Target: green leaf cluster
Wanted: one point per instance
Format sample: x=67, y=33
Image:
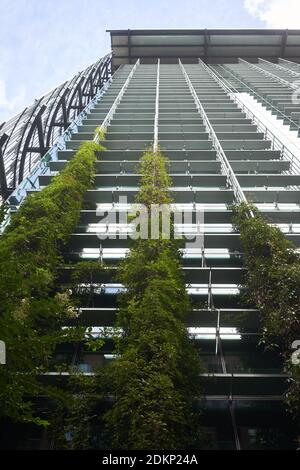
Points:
x=100, y=133
x=155, y=180
x=273, y=274
x=73, y=422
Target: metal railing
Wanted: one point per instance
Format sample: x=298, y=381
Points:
x=276, y=143
x=285, y=61
x=259, y=97
x=283, y=82
x=116, y=103
x=225, y=165
x=42, y=167
x=279, y=67
x=26, y=137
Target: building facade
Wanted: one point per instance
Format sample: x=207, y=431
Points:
x=191, y=101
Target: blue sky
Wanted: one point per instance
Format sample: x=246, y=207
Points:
x=45, y=42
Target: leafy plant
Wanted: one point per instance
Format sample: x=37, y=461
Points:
x=273, y=284
x=154, y=379
x=85, y=279
x=100, y=133
x=273, y=274
x=33, y=310
x=72, y=422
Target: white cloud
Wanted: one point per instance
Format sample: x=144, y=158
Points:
x=275, y=13
x=14, y=104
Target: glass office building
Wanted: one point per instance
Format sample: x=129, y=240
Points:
x=223, y=107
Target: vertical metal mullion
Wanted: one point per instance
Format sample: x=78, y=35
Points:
x=234, y=425
x=203, y=259
x=156, y=119
x=218, y=334
x=230, y=398
x=285, y=34
x=210, y=295
x=222, y=357
x=129, y=46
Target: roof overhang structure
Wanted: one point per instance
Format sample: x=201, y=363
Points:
x=211, y=45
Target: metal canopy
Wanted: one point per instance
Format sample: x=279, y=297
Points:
x=211, y=45
x=27, y=136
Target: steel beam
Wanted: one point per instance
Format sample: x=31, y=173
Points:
x=36, y=127
x=33, y=132
x=283, y=42
x=3, y=181
x=129, y=46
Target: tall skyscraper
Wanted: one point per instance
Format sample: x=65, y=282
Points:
x=215, y=101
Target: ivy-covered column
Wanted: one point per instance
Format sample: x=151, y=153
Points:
x=154, y=381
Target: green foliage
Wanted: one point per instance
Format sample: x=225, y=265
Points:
x=155, y=180
x=72, y=423
x=84, y=280
x=3, y=212
x=273, y=274
x=293, y=393
x=32, y=312
x=100, y=134
x=155, y=377
x=273, y=283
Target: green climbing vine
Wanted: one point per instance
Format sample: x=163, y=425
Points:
x=273, y=274
x=273, y=285
x=100, y=133
x=33, y=309
x=155, y=377
x=77, y=423
x=73, y=423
